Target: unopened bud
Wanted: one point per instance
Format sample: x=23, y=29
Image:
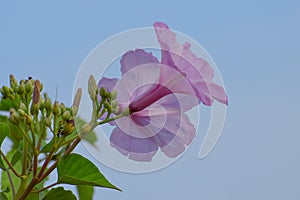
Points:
x=29, y=86
x=56, y=108
x=48, y=121
x=23, y=107
x=13, y=82
x=114, y=94
x=34, y=109
x=14, y=116
x=28, y=119
x=66, y=115
x=92, y=87
x=85, y=129
x=48, y=104
x=62, y=108
x=5, y=90
x=116, y=110
x=36, y=92
x=21, y=88
x=76, y=101
x=102, y=92
x=68, y=127
x=42, y=104
x=114, y=104
x=41, y=87
x=21, y=112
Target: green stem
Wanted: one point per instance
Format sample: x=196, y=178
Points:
x=9, y=164
x=25, y=136
x=35, y=152
x=45, y=188
x=24, y=177
x=11, y=183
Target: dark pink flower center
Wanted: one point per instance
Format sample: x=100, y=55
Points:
x=142, y=101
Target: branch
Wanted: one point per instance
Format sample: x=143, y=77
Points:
x=9, y=165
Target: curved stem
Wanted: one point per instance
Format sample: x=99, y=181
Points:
x=45, y=188
x=9, y=164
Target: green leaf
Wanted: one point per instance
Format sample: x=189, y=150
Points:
x=47, y=148
x=4, y=131
x=3, y=118
x=4, y=177
x=16, y=158
x=6, y=104
x=90, y=137
x=85, y=192
x=74, y=169
x=59, y=194
x=3, y=196
x=33, y=196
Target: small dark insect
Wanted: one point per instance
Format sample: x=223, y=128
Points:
x=60, y=131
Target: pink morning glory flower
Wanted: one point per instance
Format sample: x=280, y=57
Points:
x=157, y=94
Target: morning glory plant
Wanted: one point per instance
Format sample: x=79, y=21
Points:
x=147, y=107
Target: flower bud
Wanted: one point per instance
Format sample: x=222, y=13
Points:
x=21, y=112
x=102, y=92
x=48, y=104
x=48, y=121
x=76, y=101
x=21, y=88
x=114, y=104
x=68, y=127
x=92, y=87
x=86, y=128
x=66, y=115
x=6, y=90
x=13, y=82
x=14, y=116
x=116, y=110
x=28, y=119
x=62, y=108
x=41, y=87
x=56, y=108
x=36, y=92
x=114, y=94
x=23, y=107
x=42, y=104
x=28, y=86
x=34, y=109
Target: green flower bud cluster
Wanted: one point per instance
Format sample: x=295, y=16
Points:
x=28, y=106
x=108, y=101
x=103, y=100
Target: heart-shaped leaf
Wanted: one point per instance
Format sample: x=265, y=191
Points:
x=74, y=169
x=59, y=194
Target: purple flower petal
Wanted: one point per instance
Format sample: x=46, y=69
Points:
x=135, y=58
x=160, y=125
x=108, y=83
x=138, y=149
x=180, y=57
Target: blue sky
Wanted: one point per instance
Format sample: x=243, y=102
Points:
x=255, y=45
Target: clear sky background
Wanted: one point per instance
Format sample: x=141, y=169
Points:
x=255, y=45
